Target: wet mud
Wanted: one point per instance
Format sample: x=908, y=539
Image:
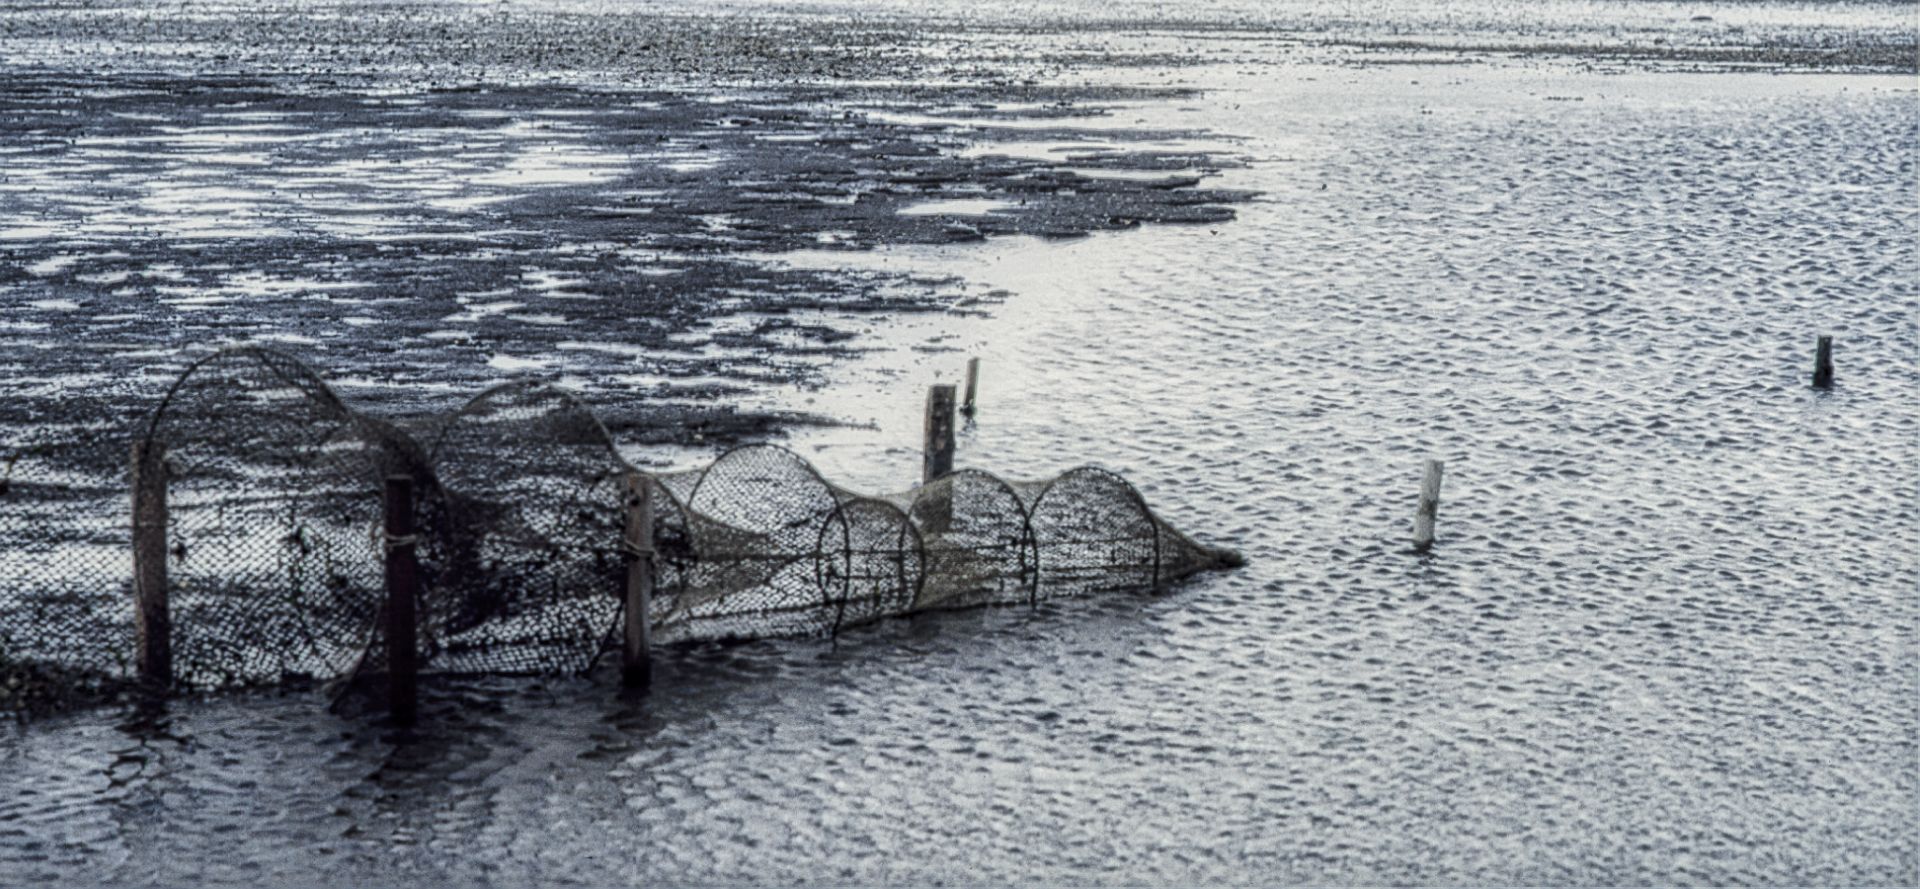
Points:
x=1668, y=632
x=428, y=244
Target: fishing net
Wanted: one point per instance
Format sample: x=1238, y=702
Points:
x=758, y=544
x=272, y=492
x=66, y=576
x=522, y=558
x=524, y=505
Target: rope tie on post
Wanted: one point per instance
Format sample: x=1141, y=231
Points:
x=386, y=542
x=635, y=551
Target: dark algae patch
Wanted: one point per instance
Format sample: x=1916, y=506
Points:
x=452, y=236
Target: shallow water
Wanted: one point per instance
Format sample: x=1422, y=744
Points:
x=1668, y=631
x=1667, y=635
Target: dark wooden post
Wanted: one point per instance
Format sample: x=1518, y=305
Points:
x=403, y=578
x=636, y=664
x=973, y=383
x=1823, y=363
x=152, y=626
x=939, y=445
x=1429, y=511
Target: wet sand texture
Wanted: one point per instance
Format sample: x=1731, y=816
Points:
x=427, y=245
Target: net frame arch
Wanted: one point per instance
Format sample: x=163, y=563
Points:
x=1047, y=496
x=931, y=505
x=563, y=557
x=249, y=438
x=909, y=544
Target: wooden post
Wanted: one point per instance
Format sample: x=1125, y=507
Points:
x=1423, y=519
x=152, y=626
x=1823, y=363
x=636, y=665
x=939, y=445
x=973, y=383
x=403, y=577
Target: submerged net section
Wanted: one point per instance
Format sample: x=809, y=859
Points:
x=276, y=544
x=770, y=548
x=754, y=520
x=979, y=542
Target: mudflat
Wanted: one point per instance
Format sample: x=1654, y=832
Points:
x=1264, y=258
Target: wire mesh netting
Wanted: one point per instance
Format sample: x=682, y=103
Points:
x=275, y=544
x=522, y=554
x=271, y=568
x=67, y=595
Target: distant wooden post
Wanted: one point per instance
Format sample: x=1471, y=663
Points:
x=1423, y=519
x=939, y=445
x=973, y=383
x=152, y=626
x=636, y=665
x=1823, y=363
x=403, y=578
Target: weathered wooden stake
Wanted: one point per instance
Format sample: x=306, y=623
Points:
x=1823, y=363
x=973, y=383
x=636, y=665
x=1423, y=519
x=152, y=626
x=939, y=449
x=403, y=578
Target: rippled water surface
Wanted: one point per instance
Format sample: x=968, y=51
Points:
x=1668, y=633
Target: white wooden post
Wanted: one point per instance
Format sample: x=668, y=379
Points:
x=1423, y=519
x=973, y=384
